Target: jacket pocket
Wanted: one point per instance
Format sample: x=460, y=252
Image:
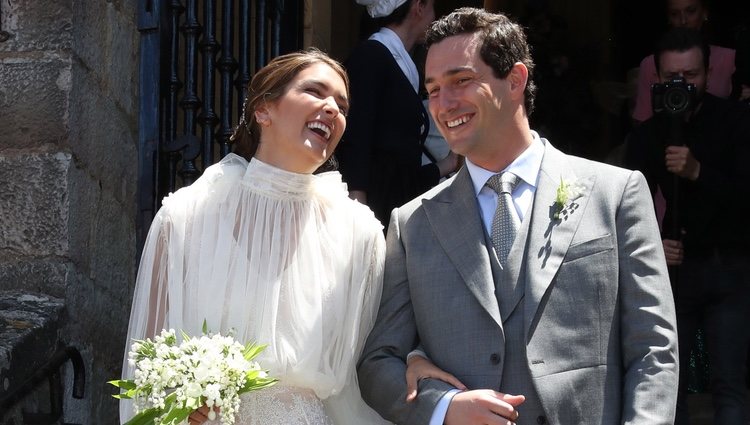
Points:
x=590, y=247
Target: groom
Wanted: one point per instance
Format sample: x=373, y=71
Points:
x=548, y=295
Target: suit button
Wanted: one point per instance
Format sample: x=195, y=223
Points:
x=495, y=358
x=541, y=420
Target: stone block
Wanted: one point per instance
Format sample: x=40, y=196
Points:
x=47, y=275
x=34, y=203
x=33, y=102
x=106, y=41
x=29, y=337
x=123, y=58
x=103, y=137
x=91, y=34
x=102, y=234
x=36, y=25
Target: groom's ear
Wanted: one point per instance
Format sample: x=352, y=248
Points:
x=518, y=78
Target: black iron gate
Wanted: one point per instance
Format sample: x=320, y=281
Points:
x=196, y=59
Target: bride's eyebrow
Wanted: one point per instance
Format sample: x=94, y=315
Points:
x=324, y=86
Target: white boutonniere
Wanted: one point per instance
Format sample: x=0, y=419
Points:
x=567, y=192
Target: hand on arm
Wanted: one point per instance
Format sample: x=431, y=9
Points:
x=679, y=160
x=485, y=407
x=418, y=367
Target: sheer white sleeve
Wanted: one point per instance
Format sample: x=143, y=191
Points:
x=346, y=406
x=149, y=308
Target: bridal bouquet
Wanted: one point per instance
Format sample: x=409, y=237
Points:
x=173, y=379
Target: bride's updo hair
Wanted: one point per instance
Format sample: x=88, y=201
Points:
x=269, y=84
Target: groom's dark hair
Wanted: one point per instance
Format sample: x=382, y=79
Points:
x=503, y=42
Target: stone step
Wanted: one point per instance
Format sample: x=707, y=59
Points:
x=29, y=337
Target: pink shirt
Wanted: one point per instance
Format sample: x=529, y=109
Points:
x=720, y=70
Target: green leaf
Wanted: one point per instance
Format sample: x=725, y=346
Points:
x=256, y=384
x=146, y=417
x=122, y=396
x=251, y=350
x=175, y=415
x=173, y=411
x=125, y=384
x=205, y=327
x=169, y=400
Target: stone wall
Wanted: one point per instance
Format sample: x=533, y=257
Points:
x=103, y=126
x=68, y=161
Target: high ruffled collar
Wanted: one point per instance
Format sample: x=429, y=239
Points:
x=275, y=182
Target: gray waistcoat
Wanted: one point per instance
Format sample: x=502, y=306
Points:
x=509, y=289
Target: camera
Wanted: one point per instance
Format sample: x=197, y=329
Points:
x=672, y=97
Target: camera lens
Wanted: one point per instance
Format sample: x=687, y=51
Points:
x=676, y=99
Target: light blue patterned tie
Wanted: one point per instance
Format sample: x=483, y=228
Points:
x=505, y=223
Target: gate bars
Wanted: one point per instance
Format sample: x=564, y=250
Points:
x=181, y=60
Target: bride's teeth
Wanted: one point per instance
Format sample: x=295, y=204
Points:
x=320, y=126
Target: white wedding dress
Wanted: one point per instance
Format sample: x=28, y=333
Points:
x=281, y=258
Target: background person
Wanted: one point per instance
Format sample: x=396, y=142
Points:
x=381, y=158
x=691, y=14
x=702, y=175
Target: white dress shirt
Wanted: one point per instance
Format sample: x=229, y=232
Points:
x=526, y=166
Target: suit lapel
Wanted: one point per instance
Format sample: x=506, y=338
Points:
x=455, y=220
x=549, y=238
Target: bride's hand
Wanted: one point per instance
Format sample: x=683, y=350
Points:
x=418, y=367
x=200, y=416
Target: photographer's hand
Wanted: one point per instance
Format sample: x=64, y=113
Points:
x=679, y=160
x=745, y=93
x=673, y=252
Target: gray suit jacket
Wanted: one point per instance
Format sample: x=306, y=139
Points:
x=598, y=312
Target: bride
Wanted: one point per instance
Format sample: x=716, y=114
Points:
x=261, y=245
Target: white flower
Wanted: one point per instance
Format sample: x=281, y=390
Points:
x=193, y=390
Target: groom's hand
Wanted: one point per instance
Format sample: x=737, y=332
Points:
x=483, y=407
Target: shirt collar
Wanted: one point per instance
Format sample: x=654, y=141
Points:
x=526, y=166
